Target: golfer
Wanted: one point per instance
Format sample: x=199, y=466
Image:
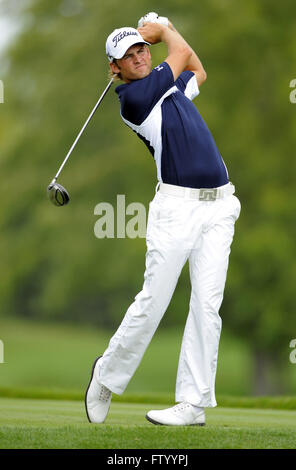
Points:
x=191, y=217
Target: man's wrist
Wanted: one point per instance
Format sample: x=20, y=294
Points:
x=168, y=34
x=171, y=26
x=163, y=31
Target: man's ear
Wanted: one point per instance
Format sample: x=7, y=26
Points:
x=114, y=68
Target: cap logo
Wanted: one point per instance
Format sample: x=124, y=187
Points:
x=122, y=35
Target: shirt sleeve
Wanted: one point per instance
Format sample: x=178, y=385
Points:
x=142, y=95
x=187, y=84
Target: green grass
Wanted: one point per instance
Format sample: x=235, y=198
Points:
x=48, y=356
x=54, y=424
x=47, y=368
x=263, y=402
x=59, y=356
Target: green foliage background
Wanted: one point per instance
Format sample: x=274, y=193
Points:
x=52, y=265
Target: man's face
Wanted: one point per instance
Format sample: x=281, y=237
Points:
x=135, y=64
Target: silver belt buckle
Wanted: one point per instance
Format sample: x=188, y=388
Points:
x=208, y=194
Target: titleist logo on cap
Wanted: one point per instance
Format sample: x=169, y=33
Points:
x=122, y=35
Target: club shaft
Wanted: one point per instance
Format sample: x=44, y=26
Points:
x=84, y=126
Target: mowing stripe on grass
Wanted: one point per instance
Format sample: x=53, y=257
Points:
x=277, y=403
x=56, y=424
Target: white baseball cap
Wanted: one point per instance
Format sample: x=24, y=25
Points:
x=120, y=40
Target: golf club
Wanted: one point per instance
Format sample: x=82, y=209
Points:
x=57, y=194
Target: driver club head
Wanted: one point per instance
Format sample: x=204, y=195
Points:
x=57, y=194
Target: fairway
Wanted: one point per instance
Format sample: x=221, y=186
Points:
x=57, y=424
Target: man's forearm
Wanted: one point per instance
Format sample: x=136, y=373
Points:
x=174, y=40
x=194, y=63
x=179, y=52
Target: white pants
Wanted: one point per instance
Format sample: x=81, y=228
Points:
x=178, y=229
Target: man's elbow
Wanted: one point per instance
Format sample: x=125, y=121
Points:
x=186, y=53
x=201, y=77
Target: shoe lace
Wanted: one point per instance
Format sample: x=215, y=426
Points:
x=104, y=394
x=180, y=407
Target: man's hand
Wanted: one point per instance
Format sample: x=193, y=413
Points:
x=181, y=56
x=153, y=17
x=178, y=50
x=152, y=32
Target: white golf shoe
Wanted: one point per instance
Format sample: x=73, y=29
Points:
x=97, y=397
x=183, y=414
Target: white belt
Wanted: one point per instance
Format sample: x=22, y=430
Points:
x=202, y=194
